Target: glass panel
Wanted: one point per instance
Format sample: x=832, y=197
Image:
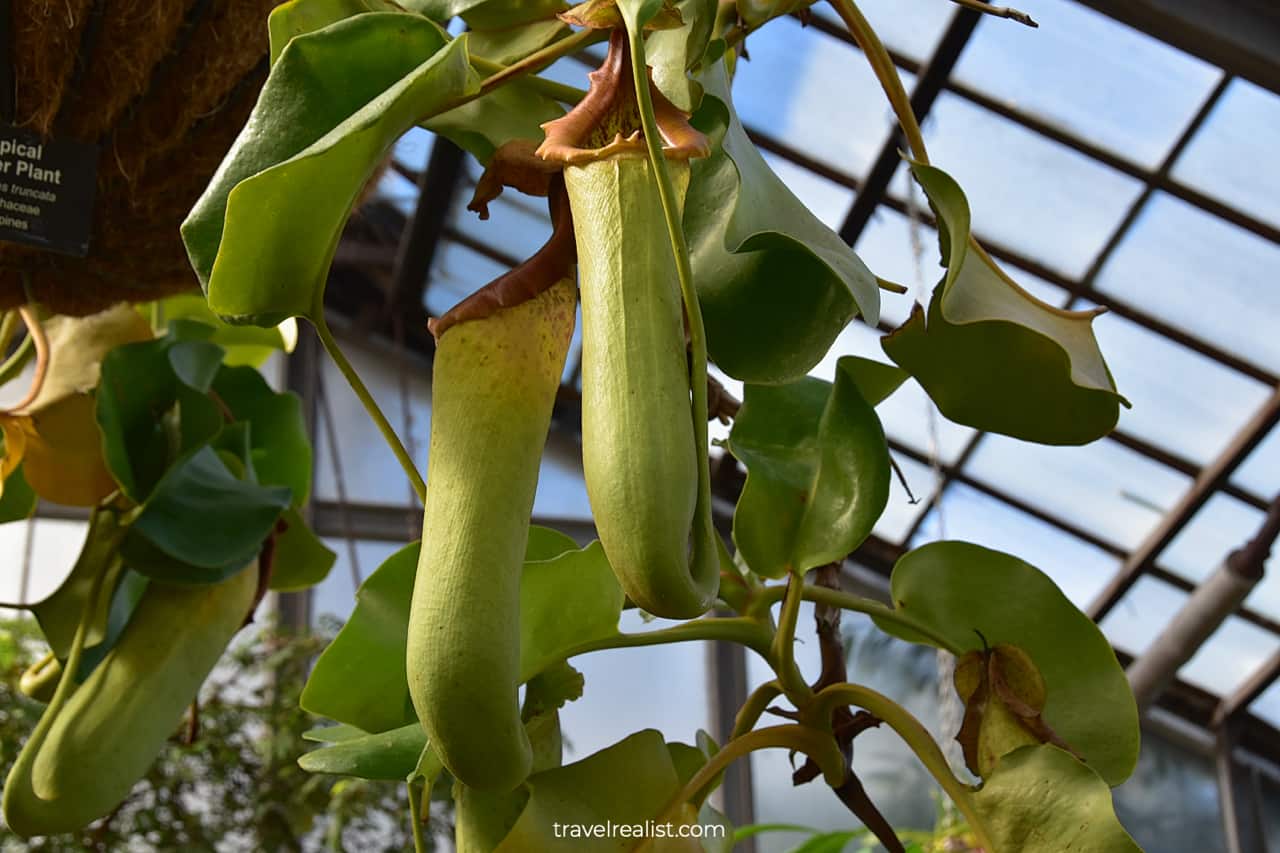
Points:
x=1182, y=401
x=518, y=225
x=55, y=544
x=784, y=88
x=370, y=470
x=654, y=687
x=414, y=148
x=827, y=200
x=401, y=192
x=1267, y=706
x=900, y=512
x=1142, y=614
x=910, y=27
x=893, y=778
x=1202, y=274
x=1024, y=189
x=1103, y=487
x=1091, y=76
x=1228, y=157
x=561, y=490
x=335, y=596
x=456, y=273
x=1078, y=568
x=1260, y=472
x=1170, y=803
x=1232, y=654
x=1222, y=525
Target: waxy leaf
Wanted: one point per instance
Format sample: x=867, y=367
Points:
x=1041, y=800
x=390, y=755
x=202, y=523
x=817, y=472
x=280, y=448
x=17, y=499
x=958, y=590
x=360, y=678
x=262, y=236
x=299, y=17
x=333, y=734
x=514, y=111
x=301, y=559
x=506, y=45
x=627, y=783
x=673, y=53
x=60, y=613
x=242, y=345
x=775, y=284
x=994, y=357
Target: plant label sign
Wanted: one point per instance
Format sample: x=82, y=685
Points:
x=46, y=191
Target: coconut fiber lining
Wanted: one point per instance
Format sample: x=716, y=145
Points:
x=162, y=87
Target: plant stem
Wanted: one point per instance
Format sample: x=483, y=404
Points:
x=36, y=334
x=415, y=818
x=883, y=67
x=819, y=746
x=746, y=632
x=751, y=710
x=858, y=604
x=704, y=548
x=998, y=12
x=13, y=364
x=917, y=737
x=370, y=405
x=784, y=644
x=559, y=91
x=540, y=59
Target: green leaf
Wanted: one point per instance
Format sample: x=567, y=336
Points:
x=494, y=14
x=1041, y=800
x=956, y=590
x=262, y=236
x=17, y=498
x=672, y=53
x=136, y=417
x=244, y=345
x=202, y=524
x=301, y=559
x=281, y=451
x=332, y=734
x=299, y=17
x=830, y=842
x=817, y=472
x=122, y=602
x=360, y=678
x=1043, y=375
x=513, y=111
x=195, y=362
x=509, y=44
x=388, y=755
x=627, y=783
x=60, y=613
x=776, y=285
x=546, y=543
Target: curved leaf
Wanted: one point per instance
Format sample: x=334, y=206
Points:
x=1043, y=375
x=1041, y=800
x=301, y=559
x=514, y=111
x=280, y=448
x=776, y=285
x=360, y=678
x=958, y=590
x=627, y=783
x=201, y=523
x=672, y=53
x=390, y=755
x=817, y=472
x=244, y=345
x=59, y=614
x=17, y=499
x=262, y=236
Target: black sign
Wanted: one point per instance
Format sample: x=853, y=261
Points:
x=46, y=191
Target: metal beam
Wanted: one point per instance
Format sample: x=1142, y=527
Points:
x=928, y=86
x=437, y=186
x=1242, y=36
x=1211, y=479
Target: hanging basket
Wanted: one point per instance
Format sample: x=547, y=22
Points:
x=162, y=87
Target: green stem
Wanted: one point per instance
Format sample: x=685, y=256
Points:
x=784, y=644
x=415, y=818
x=858, y=604
x=885, y=71
x=752, y=709
x=559, y=91
x=746, y=632
x=916, y=736
x=819, y=746
x=539, y=60
x=704, y=548
x=370, y=405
